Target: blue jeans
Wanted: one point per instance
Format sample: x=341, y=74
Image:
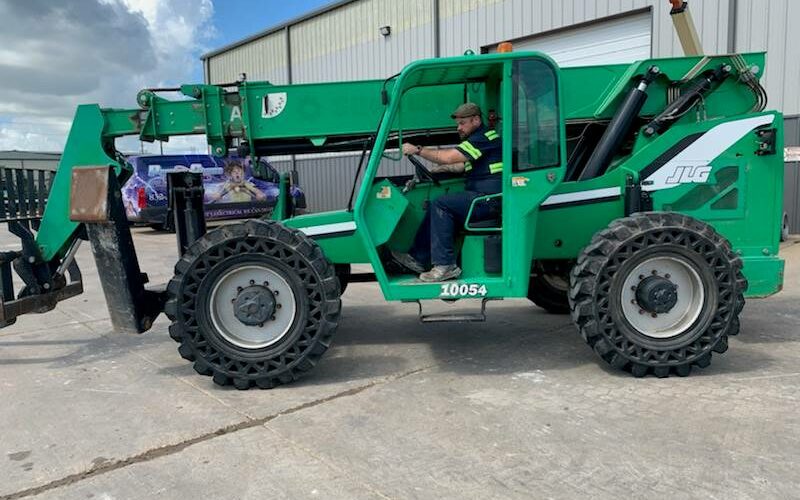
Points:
x=433, y=243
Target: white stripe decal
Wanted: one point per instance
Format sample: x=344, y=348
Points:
x=692, y=164
x=338, y=227
x=592, y=194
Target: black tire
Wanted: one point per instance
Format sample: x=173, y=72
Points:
x=286, y=256
x=785, y=227
x=606, y=267
x=548, y=286
x=343, y=275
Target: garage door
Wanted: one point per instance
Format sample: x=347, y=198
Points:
x=606, y=42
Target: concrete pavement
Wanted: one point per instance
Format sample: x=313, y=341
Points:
x=518, y=407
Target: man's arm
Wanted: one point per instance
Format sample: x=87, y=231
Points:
x=455, y=168
x=439, y=156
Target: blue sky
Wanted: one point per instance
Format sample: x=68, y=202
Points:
x=234, y=20
x=237, y=19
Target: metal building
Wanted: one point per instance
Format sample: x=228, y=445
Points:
x=364, y=39
x=29, y=159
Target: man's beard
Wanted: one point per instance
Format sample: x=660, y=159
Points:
x=463, y=136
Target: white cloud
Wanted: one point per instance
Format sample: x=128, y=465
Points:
x=56, y=55
x=26, y=137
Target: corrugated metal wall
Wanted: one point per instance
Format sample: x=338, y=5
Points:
x=791, y=194
x=342, y=44
x=772, y=25
x=791, y=132
x=479, y=23
x=261, y=59
x=345, y=44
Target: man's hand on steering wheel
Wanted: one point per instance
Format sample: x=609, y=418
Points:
x=411, y=149
x=421, y=170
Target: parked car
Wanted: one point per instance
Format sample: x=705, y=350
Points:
x=231, y=190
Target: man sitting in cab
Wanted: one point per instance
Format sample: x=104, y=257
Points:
x=479, y=157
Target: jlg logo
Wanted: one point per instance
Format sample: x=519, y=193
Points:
x=684, y=175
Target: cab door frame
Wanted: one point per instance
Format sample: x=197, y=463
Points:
x=523, y=192
x=526, y=187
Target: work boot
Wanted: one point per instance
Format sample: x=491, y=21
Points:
x=408, y=262
x=441, y=273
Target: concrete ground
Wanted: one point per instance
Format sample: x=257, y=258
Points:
x=518, y=407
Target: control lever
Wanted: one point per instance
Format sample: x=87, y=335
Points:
x=410, y=185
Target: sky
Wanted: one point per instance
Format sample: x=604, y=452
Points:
x=55, y=55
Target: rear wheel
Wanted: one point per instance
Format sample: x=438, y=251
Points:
x=343, y=275
x=253, y=304
x=657, y=293
x=549, y=285
x=785, y=227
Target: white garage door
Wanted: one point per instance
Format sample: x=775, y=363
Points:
x=620, y=40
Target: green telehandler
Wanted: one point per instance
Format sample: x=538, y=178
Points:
x=644, y=199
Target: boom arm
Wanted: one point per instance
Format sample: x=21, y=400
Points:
x=254, y=112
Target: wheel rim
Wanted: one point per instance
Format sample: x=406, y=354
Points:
x=241, y=286
x=681, y=315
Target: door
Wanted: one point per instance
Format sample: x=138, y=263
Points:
x=615, y=41
x=538, y=156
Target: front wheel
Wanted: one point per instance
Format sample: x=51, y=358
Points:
x=253, y=304
x=657, y=293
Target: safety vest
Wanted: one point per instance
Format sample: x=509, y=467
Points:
x=484, y=166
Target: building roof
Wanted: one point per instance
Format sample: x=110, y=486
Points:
x=276, y=28
x=28, y=155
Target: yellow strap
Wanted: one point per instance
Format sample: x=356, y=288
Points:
x=471, y=150
x=495, y=167
x=467, y=166
x=491, y=135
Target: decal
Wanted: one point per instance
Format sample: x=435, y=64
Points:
x=236, y=113
x=685, y=175
x=384, y=193
x=690, y=164
x=273, y=104
x=326, y=229
x=519, y=181
x=463, y=290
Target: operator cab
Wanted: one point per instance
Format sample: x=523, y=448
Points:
x=518, y=96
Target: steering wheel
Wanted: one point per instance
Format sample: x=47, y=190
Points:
x=422, y=171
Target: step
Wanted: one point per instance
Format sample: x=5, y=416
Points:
x=458, y=317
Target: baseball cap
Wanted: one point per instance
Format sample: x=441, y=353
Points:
x=466, y=110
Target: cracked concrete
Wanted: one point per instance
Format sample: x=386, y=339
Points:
x=104, y=466
x=518, y=407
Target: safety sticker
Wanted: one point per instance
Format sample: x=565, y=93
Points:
x=519, y=181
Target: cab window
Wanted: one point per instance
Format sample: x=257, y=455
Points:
x=536, y=142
